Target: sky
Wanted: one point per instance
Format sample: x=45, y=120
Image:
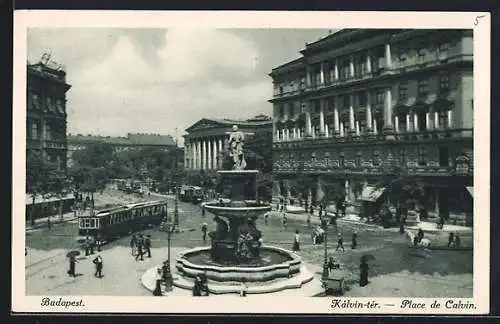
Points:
x=156, y=80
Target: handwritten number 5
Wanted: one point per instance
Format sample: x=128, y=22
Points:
x=476, y=20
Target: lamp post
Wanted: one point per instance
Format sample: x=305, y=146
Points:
x=176, y=182
x=324, y=225
x=169, y=282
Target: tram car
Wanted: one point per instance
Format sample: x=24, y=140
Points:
x=191, y=194
x=115, y=222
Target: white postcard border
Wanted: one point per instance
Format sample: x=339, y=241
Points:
x=478, y=21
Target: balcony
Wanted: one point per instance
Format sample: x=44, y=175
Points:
x=54, y=144
x=397, y=68
x=332, y=167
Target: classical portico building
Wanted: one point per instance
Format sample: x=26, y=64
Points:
x=206, y=140
x=358, y=101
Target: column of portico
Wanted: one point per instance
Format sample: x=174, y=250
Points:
x=220, y=150
x=204, y=155
x=196, y=144
x=214, y=154
x=209, y=154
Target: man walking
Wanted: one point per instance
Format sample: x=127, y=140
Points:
x=204, y=231
x=340, y=243
x=133, y=244
x=147, y=245
x=98, y=266
x=140, y=252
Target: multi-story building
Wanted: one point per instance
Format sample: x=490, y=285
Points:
x=362, y=100
x=46, y=111
x=207, y=138
x=131, y=142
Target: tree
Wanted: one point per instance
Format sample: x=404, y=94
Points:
x=34, y=178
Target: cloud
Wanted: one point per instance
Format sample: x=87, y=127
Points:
x=156, y=80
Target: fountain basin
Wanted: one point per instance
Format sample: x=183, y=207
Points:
x=274, y=263
x=241, y=210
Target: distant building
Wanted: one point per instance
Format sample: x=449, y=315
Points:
x=206, y=139
x=133, y=141
x=361, y=100
x=46, y=111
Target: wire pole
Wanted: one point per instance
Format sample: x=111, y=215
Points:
x=176, y=182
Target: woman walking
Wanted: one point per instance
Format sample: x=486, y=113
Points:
x=363, y=276
x=72, y=263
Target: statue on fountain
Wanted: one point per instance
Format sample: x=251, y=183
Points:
x=236, y=140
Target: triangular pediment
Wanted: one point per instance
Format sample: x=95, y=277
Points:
x=204, y=124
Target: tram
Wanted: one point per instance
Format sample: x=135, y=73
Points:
x=115, y=222
x=191, y=194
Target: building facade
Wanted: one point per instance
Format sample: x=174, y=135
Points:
x=360, y=101
x=206, y=140
x=46, y=111
x=131, y=142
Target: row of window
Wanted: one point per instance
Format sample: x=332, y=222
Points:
x=402, y=157
x=362, y=96
x=357, y=65
x=49, y=132
x=49, y=104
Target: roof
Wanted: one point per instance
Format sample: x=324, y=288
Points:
x=260, y=120
x=131, y=139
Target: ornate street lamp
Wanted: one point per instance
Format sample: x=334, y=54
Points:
x=324, y=225
x=169, y=281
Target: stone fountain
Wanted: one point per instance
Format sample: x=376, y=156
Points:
x=236, y=253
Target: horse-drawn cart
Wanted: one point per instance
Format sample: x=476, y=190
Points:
x=335, y=282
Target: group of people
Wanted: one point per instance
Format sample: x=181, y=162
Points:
x=98, y=263
x=140, y=245
x=200, y=287
x=91, y=244
x=453, y=240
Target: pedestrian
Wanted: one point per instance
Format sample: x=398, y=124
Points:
x=340, y=243
x=401, y=226
x=243, y=289
x=204, y=285
x=98, y=266
x=311, y=210
x=204, y=231
x=308, y=220
x=354, y=243
x=98, y=243
x=420, y=235
x=197, y=286
x=140, y=252
x=306, y=206
x=157, y=290
x=165, y=271
x=92, y=245
x=266, y=216
x=147, y=245
x=284, y=220
x=363, y=275
x=451, y=240
x=296, y=242
x=72, y=265
x=133, y=244
x=457, y=240
x=203, y=211
x=86, y=245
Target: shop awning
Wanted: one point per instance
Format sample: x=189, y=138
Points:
x=471, y=191
x=371, y=193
